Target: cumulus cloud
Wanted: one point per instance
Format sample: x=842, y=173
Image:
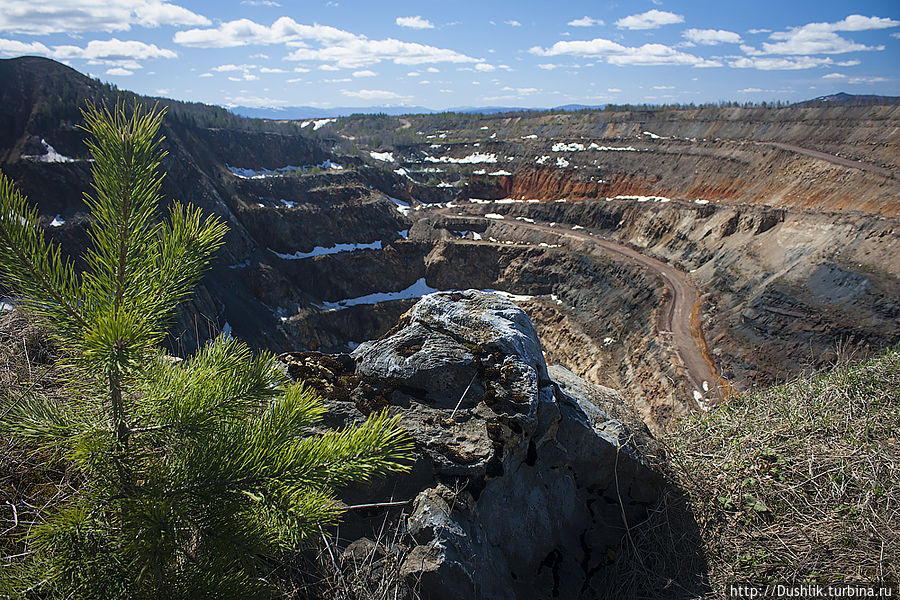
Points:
x=585, y=22
x=319, y=43
x=365, y=73
x=513, y=23
x=821, y=38
x=711, y=37
x=617, y=54
x=853, y=80
x=17, y=48
x=649, y=20
x=243, y=32
x=414, y=22
x=778, y=64
x=113, y=50
x=119, y=71
x=43, y=17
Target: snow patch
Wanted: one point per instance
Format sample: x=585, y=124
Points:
x=699, y=201
x=563, y=147
x=475, y=157
x=542, y=159
x=322, y=250
x=494, y=216
x=594, y=146
x=526, y=219
x=416, y=290
x=402, y=207
x=644, y=198
x=383, y=156
x=57, y=221
x=529, y=137
x=562, y=163
x=50, y=156
x=501, y=172
x=653, y=136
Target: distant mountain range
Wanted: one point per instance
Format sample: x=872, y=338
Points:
x=311, y=112
x=842, y=99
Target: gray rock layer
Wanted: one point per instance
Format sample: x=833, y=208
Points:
x=524, y=480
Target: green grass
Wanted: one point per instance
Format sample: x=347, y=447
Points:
x=798, y=482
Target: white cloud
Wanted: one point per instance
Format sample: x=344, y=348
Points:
x=414, y=22
x=42, y=17
x=896, y=35
x=663, y=87
x=372, y=94
x=17, y=48
x=755, y=31
x=513, y=23
x=119, y=72
x=243, y=32
x=548, y=66
x=365, y=73
x=271, y=70
x=413, y=74
x=328, y=68
x=230, y=68
x=617, y=54
x=820, y=38
x=649, y=20
x=778, y=64
x=753, y=90
x=260, y=3
x=613, y=90
x=319, y=43
x=485, y=67
x=204, y=75
x=854, y=80
x=711, y=37
x=113, y=50
x=847, y=63
x=433, y=70
x=585, y=22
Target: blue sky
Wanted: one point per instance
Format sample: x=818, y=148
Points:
x=325, y=53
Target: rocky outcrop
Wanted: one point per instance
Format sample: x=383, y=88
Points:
x=523, y=477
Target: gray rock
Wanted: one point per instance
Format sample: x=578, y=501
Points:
x=544, y=476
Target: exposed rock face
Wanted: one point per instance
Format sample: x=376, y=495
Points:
x=522, y=479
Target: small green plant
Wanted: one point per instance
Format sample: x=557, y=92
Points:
x=193, y=478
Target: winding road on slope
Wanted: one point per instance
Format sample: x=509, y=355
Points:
x=679, y=316
x=837, y=160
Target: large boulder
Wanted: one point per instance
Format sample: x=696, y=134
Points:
x=525, y=478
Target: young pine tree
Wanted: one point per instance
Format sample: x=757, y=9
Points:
x=196, y=476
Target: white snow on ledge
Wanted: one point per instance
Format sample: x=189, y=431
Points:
x=402, y=207
x=474, y=158
x=280, y=171
x=644, y=198
x=383, y=156
x=51, y=155
x=317, y=123
x=322, y=250
x=494, y=216
x=594, y=146
x=563, y=147
x=57, y=221
x=416, y=290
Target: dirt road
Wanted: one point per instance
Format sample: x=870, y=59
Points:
x=679, y=316
x=844, y=162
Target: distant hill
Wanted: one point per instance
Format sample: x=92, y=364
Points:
x=843, y=99
x=311, y=112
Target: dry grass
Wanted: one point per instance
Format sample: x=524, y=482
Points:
x=799, y=482
x=29, y=479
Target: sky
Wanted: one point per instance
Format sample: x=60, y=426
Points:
x=443, y=54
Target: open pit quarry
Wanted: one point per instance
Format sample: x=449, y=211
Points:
x=602, y=273
x=676, y=255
